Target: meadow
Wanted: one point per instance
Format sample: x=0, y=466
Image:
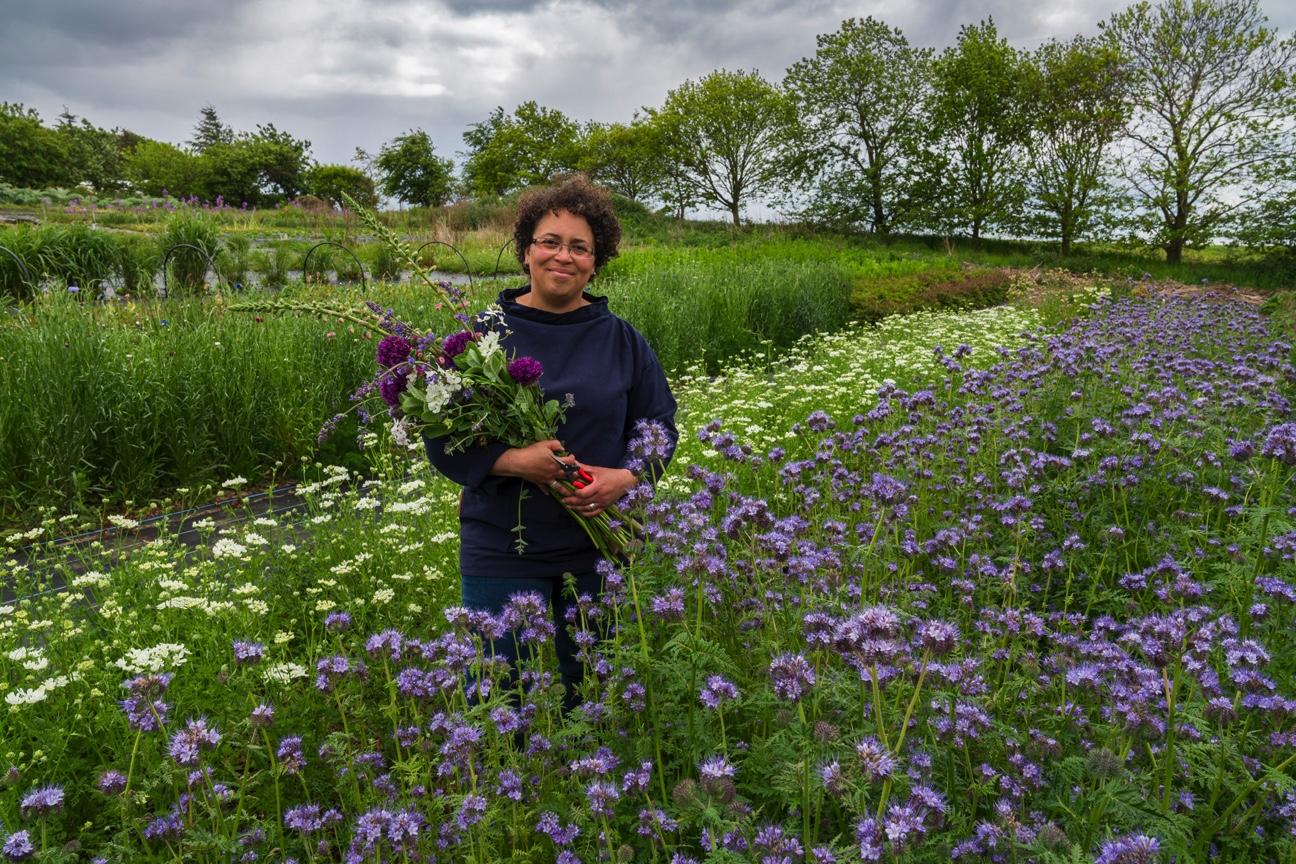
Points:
x=956, y=586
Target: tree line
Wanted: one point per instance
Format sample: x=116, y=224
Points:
x=1174, y=124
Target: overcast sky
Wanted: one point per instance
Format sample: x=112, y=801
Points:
x=356, y=73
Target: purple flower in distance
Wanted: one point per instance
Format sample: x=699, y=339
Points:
x=262, y=716
x=112, y=782
x=248, y=652
x=525, y=370
x=791, y=675
x=336, y=622
x=717, y=691
x=290, y=756
x=392, y=351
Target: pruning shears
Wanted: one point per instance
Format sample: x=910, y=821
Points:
x=577, y=476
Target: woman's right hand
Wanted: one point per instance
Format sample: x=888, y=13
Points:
x=534, y=462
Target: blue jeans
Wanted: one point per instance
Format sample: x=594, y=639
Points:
x=491, y=594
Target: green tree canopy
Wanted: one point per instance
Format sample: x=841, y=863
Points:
x=331, y=181
x=628, y=158
x=1077, y=97
x=157, y=168
x=725, y=132
x=525, y=148
x=1208, y=91
x=31, y=154
x=860, y=100
x=411, y=172
x=975, y=178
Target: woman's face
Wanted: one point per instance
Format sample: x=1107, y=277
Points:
x=559, y=277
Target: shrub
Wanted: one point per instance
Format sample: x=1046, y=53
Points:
x=874, y=298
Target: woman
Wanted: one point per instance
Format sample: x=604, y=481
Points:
x=608, y=374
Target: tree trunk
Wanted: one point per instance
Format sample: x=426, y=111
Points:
x=733, y=208
x=1174, y=250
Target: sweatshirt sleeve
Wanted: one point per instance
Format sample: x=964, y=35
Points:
x=650, y=399
x=469, y=468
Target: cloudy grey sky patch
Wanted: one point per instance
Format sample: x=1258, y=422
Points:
x=356, y=73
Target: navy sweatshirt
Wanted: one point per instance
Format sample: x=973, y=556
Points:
x=614, y=379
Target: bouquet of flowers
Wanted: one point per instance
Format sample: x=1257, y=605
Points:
x=461, y=385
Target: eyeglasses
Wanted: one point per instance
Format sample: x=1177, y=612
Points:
x=576, y=248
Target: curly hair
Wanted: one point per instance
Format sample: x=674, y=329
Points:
x=579, y=197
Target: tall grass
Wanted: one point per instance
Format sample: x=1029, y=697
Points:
x=123, y=402
x=713, y=304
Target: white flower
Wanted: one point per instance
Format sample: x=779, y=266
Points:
x=488, y=344
x=258, y=607
x=159, y=658
x=383, y=595
x=122, y=521
x=234, y=483
x=282, y=637
x=21, y=696
x=182, y=603
x=227, y=548
x=251, y=538
x=400, y=432
x=90, y=579
x=284, y=673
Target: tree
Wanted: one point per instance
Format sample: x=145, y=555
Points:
x=980, y=127
x=411, y=171
x=157, y=168
x=626, y=158
x=258, y=168
x=94, y=156
x=1077, y=96
x=31, y=155
x=1208, y=80
x=860, y=101
x=508, y=152
x=724, y=132
x=210, y=131
x=330, y=181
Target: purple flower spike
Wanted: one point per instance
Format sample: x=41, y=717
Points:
x=525, y=370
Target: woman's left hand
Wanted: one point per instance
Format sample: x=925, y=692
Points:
x=609, y=485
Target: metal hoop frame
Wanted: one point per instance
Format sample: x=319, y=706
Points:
x=166, y=259
x=22, y=267
x=452, y=248
x=364, y=282
x=507, y=244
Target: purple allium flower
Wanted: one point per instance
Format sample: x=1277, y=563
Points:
x=525, y=370
x=392, y=351
x=18, y=846
x=336, y=622
x=1130, y=849
x=248, y=653
x=41, y=802
x=112, y=782
x=391, y=386
x=791, y=675
x=455, y=343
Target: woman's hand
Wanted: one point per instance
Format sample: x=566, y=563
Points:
x=608, y=487
x=534, y=462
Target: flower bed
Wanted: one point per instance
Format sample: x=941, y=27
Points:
x=1040, y=609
